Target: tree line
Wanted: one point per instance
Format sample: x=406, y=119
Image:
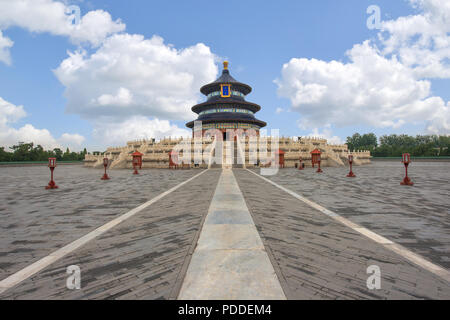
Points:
x=30, y=152
x=394, y=145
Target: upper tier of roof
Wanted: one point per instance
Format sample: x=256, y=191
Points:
x=225, y=78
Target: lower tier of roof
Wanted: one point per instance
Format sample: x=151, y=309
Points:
x=232, y=122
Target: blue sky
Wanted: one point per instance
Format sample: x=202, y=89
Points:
x=257, y=37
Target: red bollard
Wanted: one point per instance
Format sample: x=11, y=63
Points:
x=105, y=164
x=280, y=154
x=52, y=166
x=318, y=169
x=137, y=161
x=406, y=159
x=173, y=159
x=350, y=161
x=315, y=158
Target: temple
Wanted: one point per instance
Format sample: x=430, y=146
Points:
x=225, y=107
x=226, y=110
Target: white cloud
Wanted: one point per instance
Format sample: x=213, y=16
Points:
x=127, y=80
x=72, y=141
x=130, y=75
x=131, y=86
x=421, y=42
x=94, y=27
x=279, y=110
x=326, y=134
x=370, y=89
x=137, y=127
x=123, y=98
x=5, y=45
x=9, y=136
x=10, y=113
x=385, y=87
x=56, y=18
x=440, y=122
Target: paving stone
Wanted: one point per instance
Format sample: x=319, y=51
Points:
x=319, y=260
x=145, y=253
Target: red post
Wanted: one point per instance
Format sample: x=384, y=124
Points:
x=173, y=160
x=318, y=169
x=280, y=154
x=406, y=159
x=350, y=161
x=315, y=158
x=52, y=166
x=105, y=164
x=137, y=161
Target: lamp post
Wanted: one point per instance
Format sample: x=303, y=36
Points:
x=406, y=159
x=173, y=159
x=315, y=158
x=280, y=154
x=52, y=166
x=105, y=164
x=137, y=161
x=350, y=161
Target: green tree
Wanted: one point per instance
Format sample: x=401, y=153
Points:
x=4, y=155
x=367, y=141
x=21, y=152
x=58, y=153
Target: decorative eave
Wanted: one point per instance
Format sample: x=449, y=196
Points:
x=257, y=122
x=212, y=104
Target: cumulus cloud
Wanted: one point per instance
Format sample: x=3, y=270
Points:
x=384, y=83
x=370, y=89
x=56, y=18
x=127, y=80
x=5, y=45
x=133, y=76
x=9, y=136
x=136, y=127
x=10, y=113
x=326, y=134
x=421, y=42
x=440, y=122
x=132, y=86
x=72, y=141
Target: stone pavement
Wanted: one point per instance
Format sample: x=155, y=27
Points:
x=230, y=262
x=316, y=257
x=144, y=257
x=311, y=255
x=416, y=217
x=35, y=221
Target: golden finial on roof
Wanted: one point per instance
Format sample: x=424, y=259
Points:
x=225, y=65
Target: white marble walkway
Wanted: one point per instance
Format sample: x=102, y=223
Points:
x=230, y=261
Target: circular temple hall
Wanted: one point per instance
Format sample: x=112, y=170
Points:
x=225, y=107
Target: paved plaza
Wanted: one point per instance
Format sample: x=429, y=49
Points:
x=211, y=234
